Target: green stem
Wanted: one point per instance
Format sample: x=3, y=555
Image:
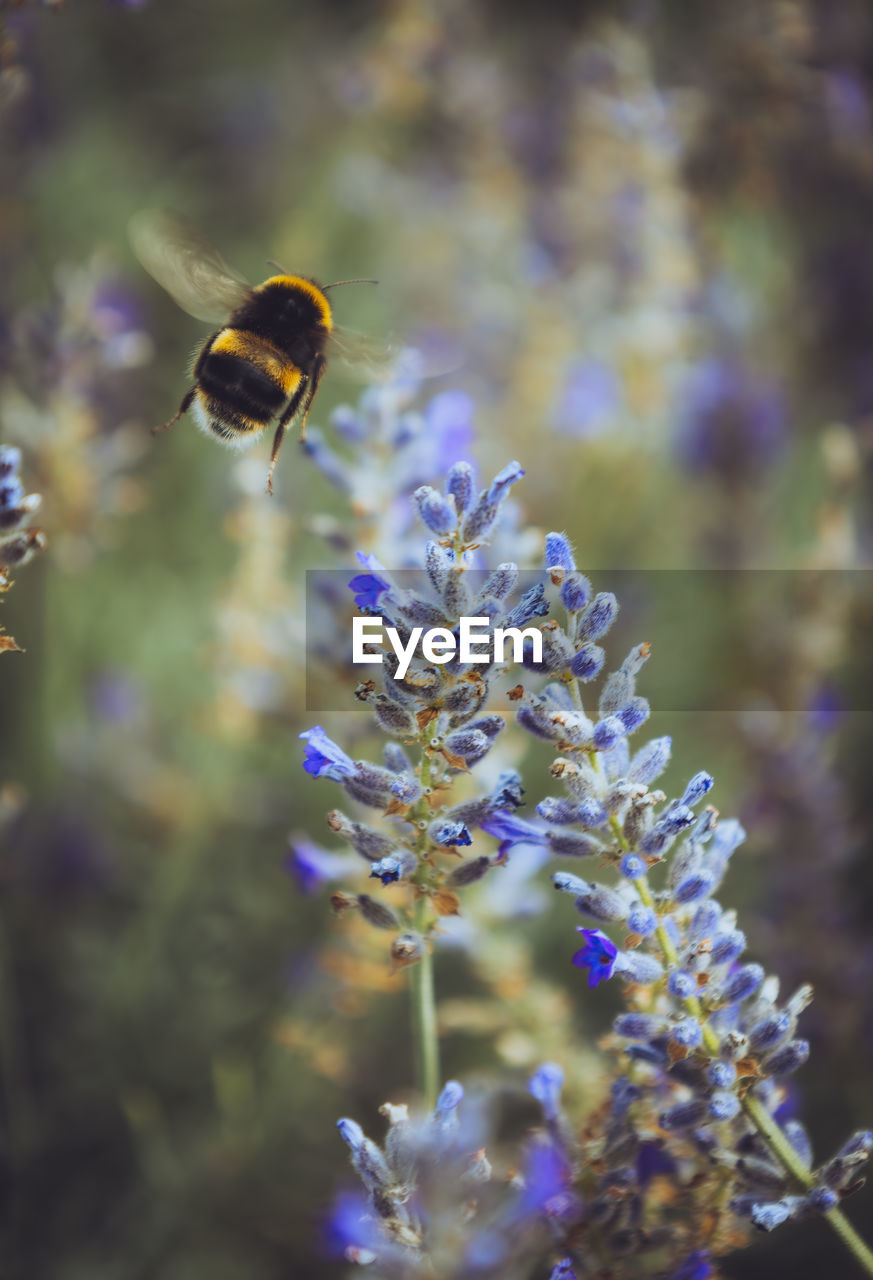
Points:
x=423, y=992
x=424, y=1009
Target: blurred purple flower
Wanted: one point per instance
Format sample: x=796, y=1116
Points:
x=588, y=401
x=312, y=866
x=731, y=421
x=115, y=697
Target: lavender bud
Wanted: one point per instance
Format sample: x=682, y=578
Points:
x=449, y=832
x=696, y=789
x=638, y=966
x=734, y=1046
x=723, y=1105
x=601, y=903
x=10, y=459
x=578, y=777
x=534, y=719
x=460, y=485
x=381, y=917
x=617, y=796
x=533, y=604
x=822, y=1200
x=559, y=553
x=373, y=776
x=568, y=883
x=468, y=743
x=559, y=809
x=692, y=888
x=705, y=921
x=420, y=613
x=618, y=690
x=650, y=761
x=587, y=662
x=685, y=1115
x=598, y=616
x=787, y=1059
x=469, y=872
x=759, y=1172
x=676, y=819
x=435, y=510
x=634, y=714
x=722, y=1075
x=682, y=985
x=771, y=1032
x=632, y=866
x=500, y=581
x=607, y=732
x=576, y=728
x=508, y=792
x=483, y=514
x=727, y=947
x=504, y=480
x=557, y=649
x=463, y=701
x=366, y=1156
x=592, y=813
x=394, y=867
x=770, y=1216
x=742, y=984
x=859, y=1145
x=799, y=1139
x=437, y=562
x=642, y=920
x=393, y=718
x=545, y=1085
x=406, y=788
x=575, y=592
x=406, y=949
x=456, y=593
x=841, y=1169
x=686, y=1034
x=573, y=844
x=396, y=758
x=639, y=1026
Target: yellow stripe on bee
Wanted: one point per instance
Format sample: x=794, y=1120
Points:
x=261, y=353
x=311, y=290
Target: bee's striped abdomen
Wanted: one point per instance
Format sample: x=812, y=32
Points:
x=243, y=381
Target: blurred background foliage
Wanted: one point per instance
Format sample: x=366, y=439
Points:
x=639, y=236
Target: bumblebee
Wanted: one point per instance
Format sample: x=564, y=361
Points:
x=271, y=351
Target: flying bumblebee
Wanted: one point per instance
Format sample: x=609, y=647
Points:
x=271, y=351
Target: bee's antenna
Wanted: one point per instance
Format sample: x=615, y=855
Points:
x=271, y=262
x=336, y=283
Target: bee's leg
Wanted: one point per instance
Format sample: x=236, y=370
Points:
x=188, y=398
x=319, y=365
x=187, y=401
x=300, y=402
x=289, y=412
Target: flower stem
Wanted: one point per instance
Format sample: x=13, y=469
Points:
x=424, y=1010
x=423, y=994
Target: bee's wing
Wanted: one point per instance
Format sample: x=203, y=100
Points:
x=365, y=356
x=191, y=270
